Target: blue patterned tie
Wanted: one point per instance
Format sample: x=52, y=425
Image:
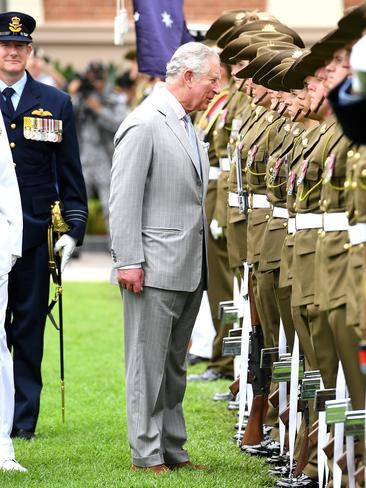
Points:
x=8, y=93
x=192, y=137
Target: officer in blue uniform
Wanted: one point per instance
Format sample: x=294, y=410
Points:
x=40, y=125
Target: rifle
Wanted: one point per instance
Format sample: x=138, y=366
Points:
x=234, y=387
x=260, y=378
x=242, y=194
x=57, y=226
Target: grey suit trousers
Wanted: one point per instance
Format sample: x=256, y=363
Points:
x=157, y=328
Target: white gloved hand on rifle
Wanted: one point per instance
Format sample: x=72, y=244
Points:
x=358, y=65
x=66, y=244
x=216, y=230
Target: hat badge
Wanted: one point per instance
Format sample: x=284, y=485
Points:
x=15, y=25
x=240, y=16
x=296, y=54
x=268, y=28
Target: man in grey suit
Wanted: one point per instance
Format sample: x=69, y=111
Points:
x=159, y=234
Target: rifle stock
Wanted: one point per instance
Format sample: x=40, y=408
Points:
x=253, y=434
x=342, y=463
x=234, y=386
x=259, y=377
x=329, y=448
x=360, y=475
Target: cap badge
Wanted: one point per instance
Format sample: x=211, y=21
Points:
x=268, y=28
x=15, y=25
x=296, y=54
x=240, y=16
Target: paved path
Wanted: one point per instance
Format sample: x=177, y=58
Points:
x=90, y=266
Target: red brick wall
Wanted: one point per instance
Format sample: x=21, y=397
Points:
x=104, y=10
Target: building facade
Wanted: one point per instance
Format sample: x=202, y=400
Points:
x=77, y=31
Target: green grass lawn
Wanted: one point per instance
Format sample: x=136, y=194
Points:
x=91, y=448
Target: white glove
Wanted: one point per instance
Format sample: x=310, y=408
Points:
x=216, y=230
x=358, y=65
x=66, y=244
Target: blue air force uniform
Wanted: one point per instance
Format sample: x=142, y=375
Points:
x=45, y=152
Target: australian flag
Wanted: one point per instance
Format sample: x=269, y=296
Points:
x=160, y=30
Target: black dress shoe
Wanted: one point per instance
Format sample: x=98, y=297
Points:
x=301, y=481
x=192, y=359
x=267, y=449
x=25, y=435
x=283, y=471
x=223, y=397
x=208, y=375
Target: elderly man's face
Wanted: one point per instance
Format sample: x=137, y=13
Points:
x=203, y=88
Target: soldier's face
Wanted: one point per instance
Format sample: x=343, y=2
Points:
x=203, y=88
x=13, y=59
x=235, y=69
x=316, y=87
x=338, y=68
x=260, y=95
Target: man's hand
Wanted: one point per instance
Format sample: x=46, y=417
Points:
x=131, y=279
x=66, y=244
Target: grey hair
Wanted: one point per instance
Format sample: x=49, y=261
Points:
x=192, y=55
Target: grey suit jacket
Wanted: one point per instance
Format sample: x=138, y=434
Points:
x=157, y=215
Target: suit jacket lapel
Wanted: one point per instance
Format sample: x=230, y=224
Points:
x=4, y=107
x=30, y=97
x=177, y=128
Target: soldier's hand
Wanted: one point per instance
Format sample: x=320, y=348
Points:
x=131, y=279
x=66, y=244
x=216, y=230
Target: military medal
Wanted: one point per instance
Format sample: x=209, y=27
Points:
x=329, y=168
x=291, y=183
x=276, y=169
x=235, y=127
x=221, y=119
x=303, y=171
x=253, y=151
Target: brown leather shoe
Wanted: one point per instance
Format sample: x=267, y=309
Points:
x=157, y=469
x=187, y=464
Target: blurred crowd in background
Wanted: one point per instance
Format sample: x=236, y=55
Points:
x=102, y=97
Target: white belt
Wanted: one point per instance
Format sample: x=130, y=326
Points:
x=357, y=234
x=259, y=201
x=309, y=221
x=233, y=200
x=280, y=212
x=291, y=225
x=214, y=173
x=335, y=221
x=224, y=164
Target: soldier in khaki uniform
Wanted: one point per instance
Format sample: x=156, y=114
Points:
x=220, y=277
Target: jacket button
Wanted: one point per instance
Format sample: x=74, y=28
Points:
x=12, y=145
x=13, y=126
